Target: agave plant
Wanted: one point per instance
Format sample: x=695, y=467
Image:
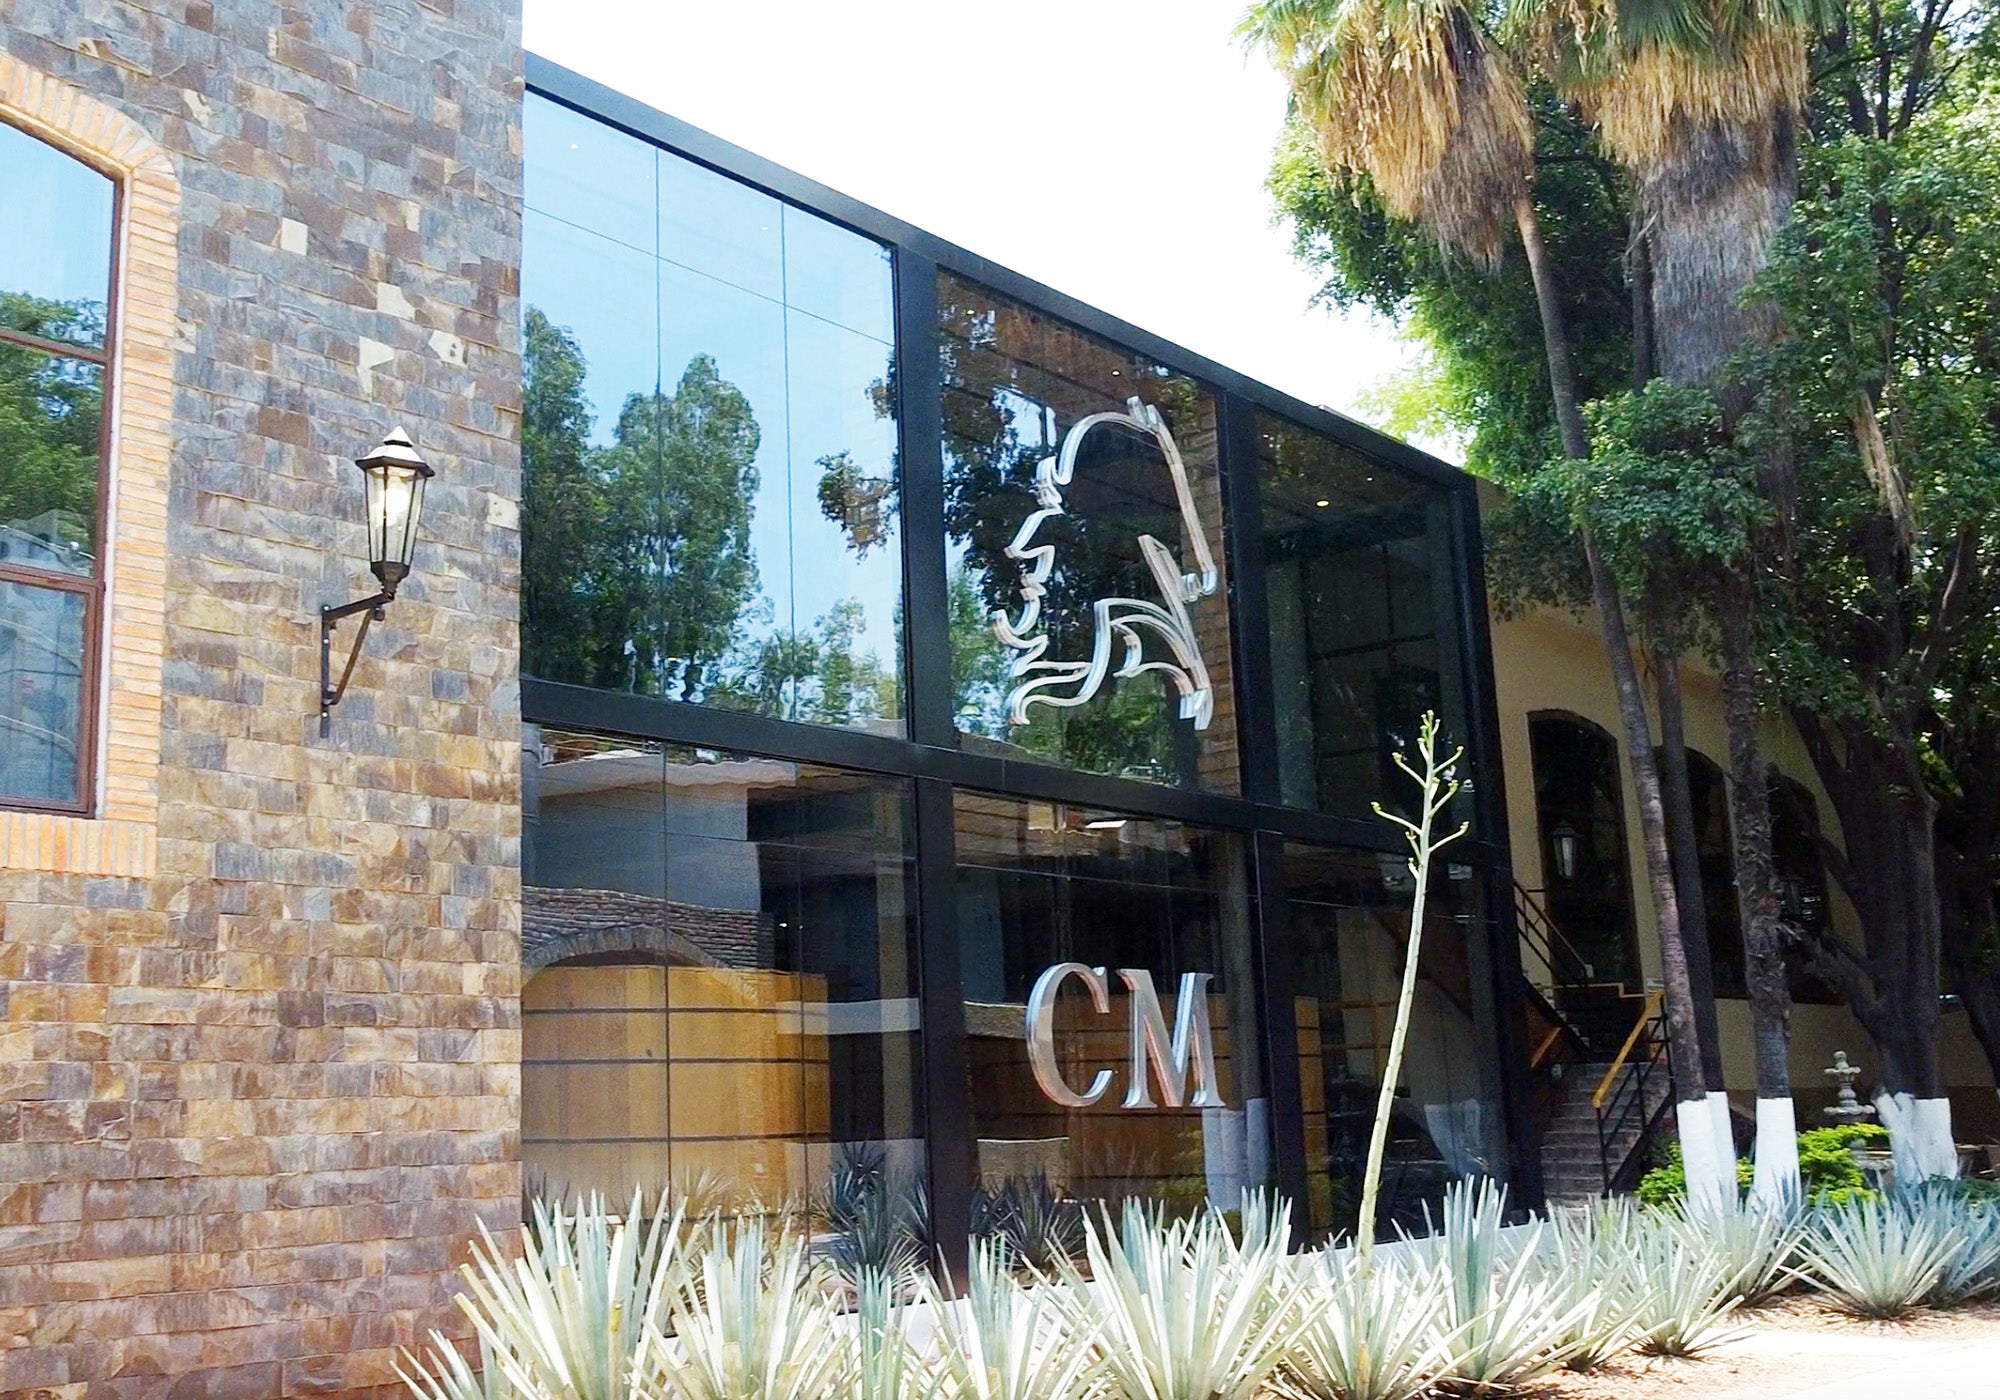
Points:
x=1005, y=1342
x=443, y=1373
x=748, y=1324
x=1181, y=1310
x=1882, y=1258
x=1367, y=1332
x=1591, y=1256
x=884, y=1365
x=1685, y=1293
x=879, y=1219
x=565, y=1320
x=1513, y=1321
x=1036, y=1222
x=1974, y=1271
x=1755, y=1245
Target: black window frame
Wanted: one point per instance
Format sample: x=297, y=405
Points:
x=928, y=749
x=90, y=588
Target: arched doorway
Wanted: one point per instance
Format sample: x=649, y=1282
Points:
x=1580, y=810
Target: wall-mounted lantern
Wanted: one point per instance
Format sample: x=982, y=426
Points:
x=394, y=476
x=1566, y=845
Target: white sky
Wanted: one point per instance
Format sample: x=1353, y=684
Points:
x=1114, y=151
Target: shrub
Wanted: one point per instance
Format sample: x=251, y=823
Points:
x=1828, y=1173
x=1684, y=1292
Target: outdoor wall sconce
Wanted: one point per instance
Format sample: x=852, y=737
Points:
x=394, y=475
x=1566, y=844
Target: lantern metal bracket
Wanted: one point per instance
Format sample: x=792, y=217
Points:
x=329, y=618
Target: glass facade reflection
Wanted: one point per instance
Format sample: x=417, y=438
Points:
x=1359, y=575
x=1348, y=917
x=721, y=994
x=900, y=755
x=709, y=446
x=1016, y=386
x=1041, y=884
x=56, y=226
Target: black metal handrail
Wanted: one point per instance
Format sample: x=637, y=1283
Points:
x=1567, y=967
x=1621, y=1098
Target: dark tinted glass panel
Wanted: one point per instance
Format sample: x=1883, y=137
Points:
x=1041, y=884
x=710, y=501
x=1347, y=914
x=1086, y=646
x=42, y=636
x=1580, y=808
x=1363, y=627
x=722, y=991
x=51, y=422
x=55, y=242
x=1802, y=890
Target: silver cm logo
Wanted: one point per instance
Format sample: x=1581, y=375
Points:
x=1190, y=1049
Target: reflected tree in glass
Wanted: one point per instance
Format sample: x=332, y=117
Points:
x=997, y=429
x=636, y=561
x=51, y=410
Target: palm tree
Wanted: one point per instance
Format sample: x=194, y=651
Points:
x=1417, y=96
x=1699, y=100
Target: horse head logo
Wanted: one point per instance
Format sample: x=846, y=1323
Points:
x=1127, y=620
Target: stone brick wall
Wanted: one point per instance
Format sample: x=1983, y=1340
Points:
x=256, y=1096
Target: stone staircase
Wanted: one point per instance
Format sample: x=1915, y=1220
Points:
x=1572, y=1165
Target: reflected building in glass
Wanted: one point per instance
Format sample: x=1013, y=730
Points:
x=953, y=719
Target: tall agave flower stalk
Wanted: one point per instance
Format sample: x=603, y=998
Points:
x=1439, y=787
x=566, y=1319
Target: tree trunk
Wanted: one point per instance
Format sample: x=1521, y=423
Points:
x=1706, y=1181
x=1683, y=833
x=1777, y=1179
x=1887, y=821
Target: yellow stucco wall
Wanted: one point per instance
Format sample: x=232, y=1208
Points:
x=1550, y=661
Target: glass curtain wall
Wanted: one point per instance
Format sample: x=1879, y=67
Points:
x=708, y=437
x=724, y=923
x=1358, y=579
x=1348, y=919
x=721, y=995
x=1089, y=602
x=1043, y=884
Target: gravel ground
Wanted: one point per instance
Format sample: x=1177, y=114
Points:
x=1798, y=1350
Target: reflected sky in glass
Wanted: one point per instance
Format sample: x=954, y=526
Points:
x=55, y=222
x=649, y=261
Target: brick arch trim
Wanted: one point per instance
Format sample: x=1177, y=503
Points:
x=120, y=837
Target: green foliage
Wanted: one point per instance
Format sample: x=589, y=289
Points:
x=1670, y=488
x=637, y=567
x=1666, y=1184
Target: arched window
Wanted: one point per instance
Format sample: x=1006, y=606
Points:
x=56, y=298
x=1801, y=877
x=1580, y=807
x=1716, y=849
